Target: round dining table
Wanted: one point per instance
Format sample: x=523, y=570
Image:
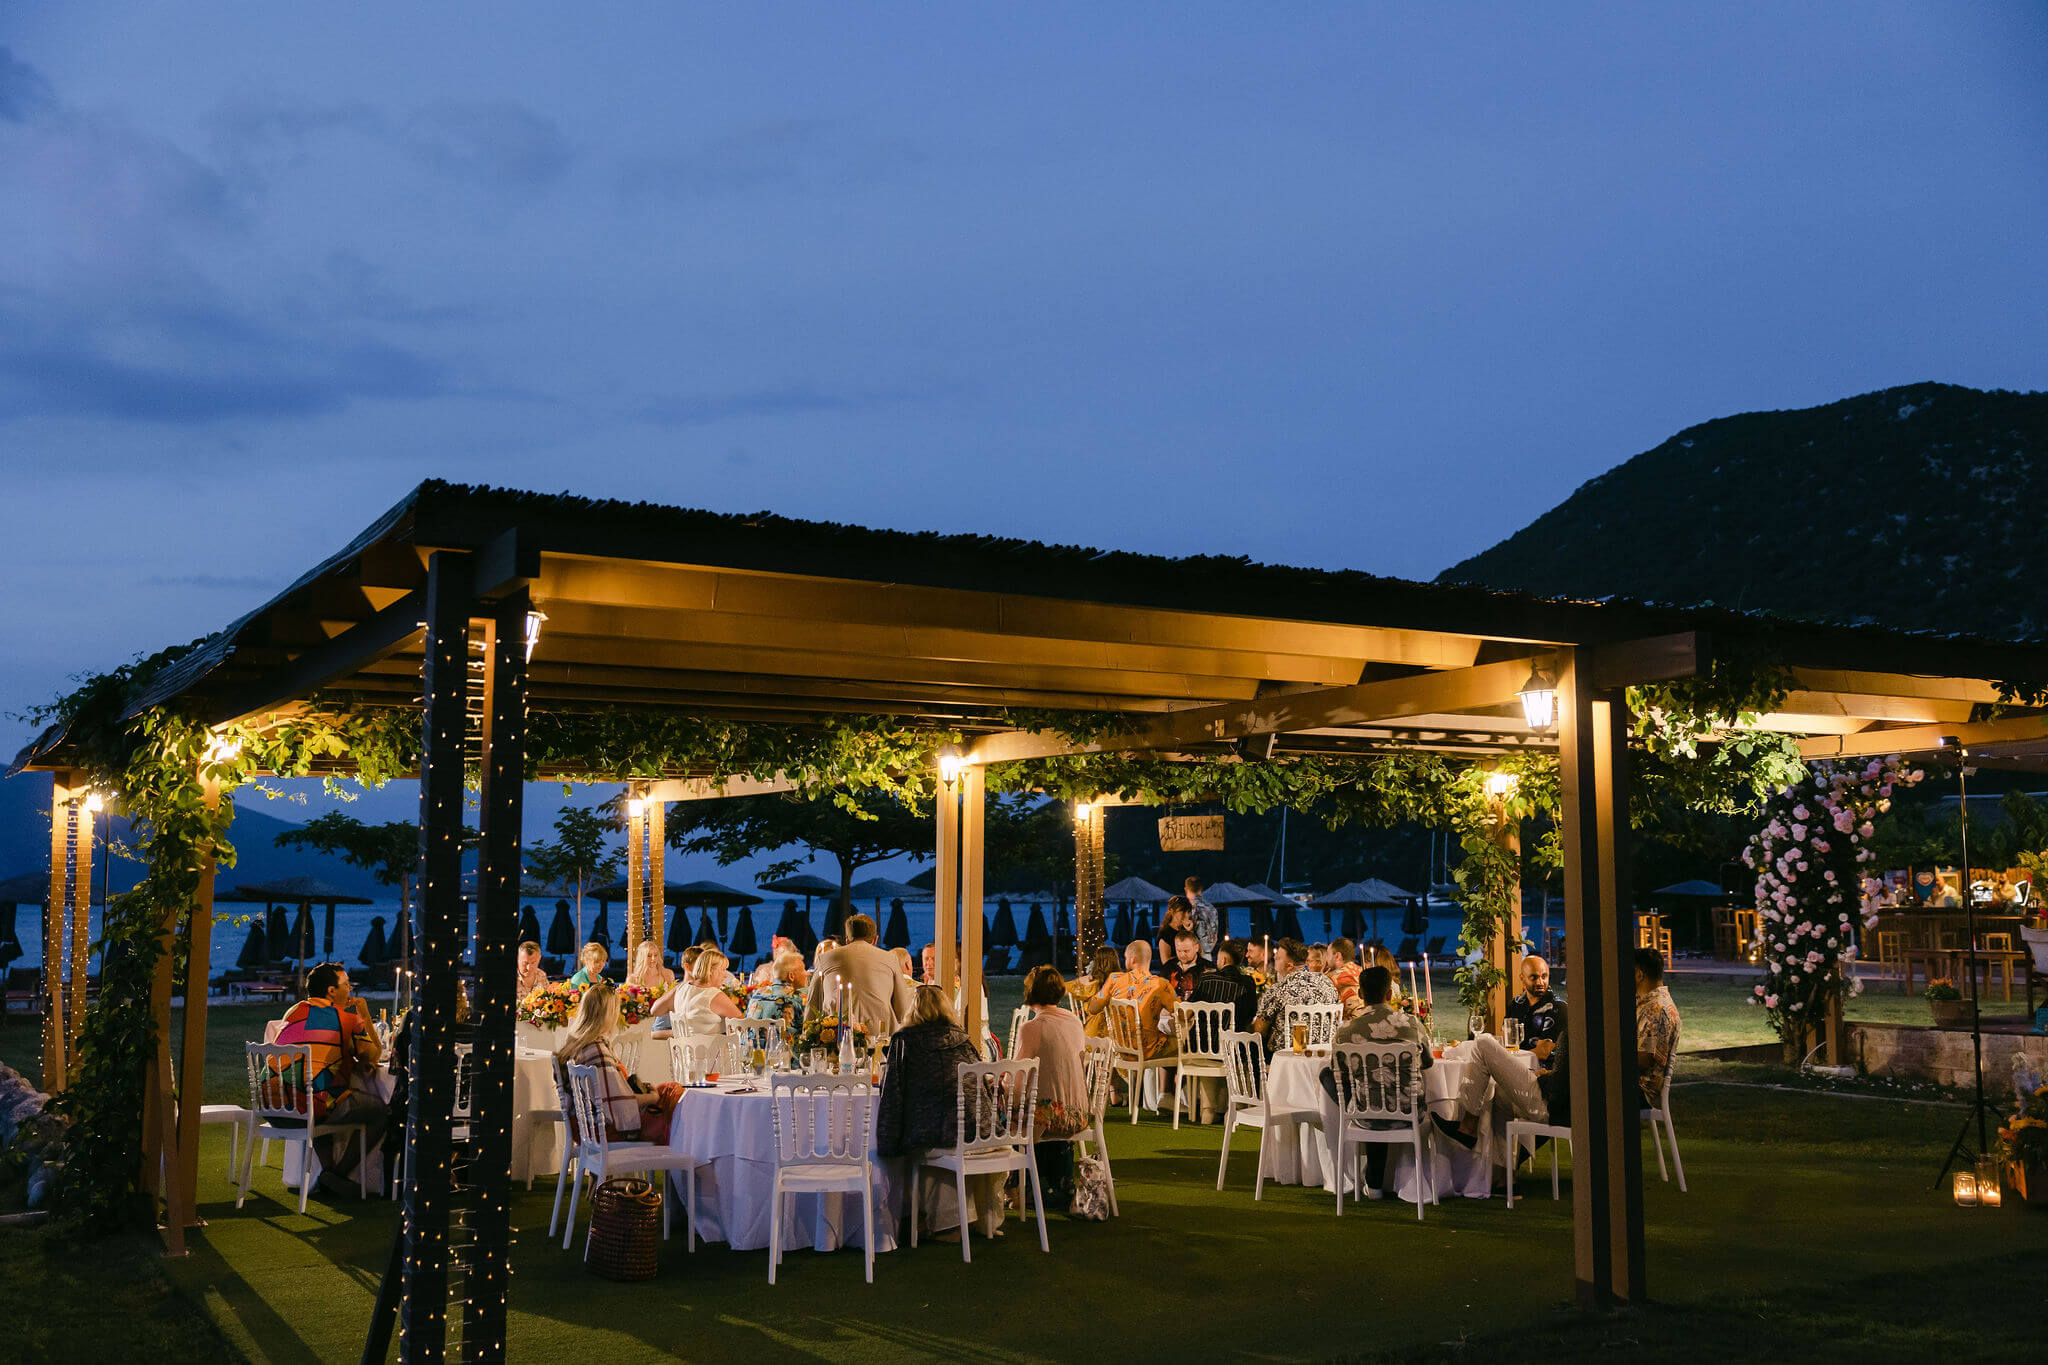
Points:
x=1299, y=1152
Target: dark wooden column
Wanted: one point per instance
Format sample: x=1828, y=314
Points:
x=438, y=940
x=1607, y=1158
x=497, y=970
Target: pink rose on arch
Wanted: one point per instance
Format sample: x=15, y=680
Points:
x=1800, y=813
x=1770, y=1001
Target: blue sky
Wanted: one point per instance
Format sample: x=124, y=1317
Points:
x=1354, y=285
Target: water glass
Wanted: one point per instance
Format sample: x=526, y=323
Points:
x=1511, y=1034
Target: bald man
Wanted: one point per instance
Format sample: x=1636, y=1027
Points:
x=1540, y=1012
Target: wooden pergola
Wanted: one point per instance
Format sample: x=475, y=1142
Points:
x=762, y=618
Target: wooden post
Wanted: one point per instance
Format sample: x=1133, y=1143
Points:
x=1607, y=1186
x=182, y=1211
x=497, y=963
x=972, y=791
x=636, y=837
x=81, y=931
x=429, y=1132
x=1505, y=951
x=1089, y=931
x=946, y=884
x=159, y=1119
x=657, y=873
x=56, y=1053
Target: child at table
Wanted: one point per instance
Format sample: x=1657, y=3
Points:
x=594, y=957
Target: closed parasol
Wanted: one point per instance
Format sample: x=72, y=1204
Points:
x=601, y=932
x=561, y=932
x=744, y=944
x=897, y=935
x=1002, y=929
x=255, y=954
x=376, y=952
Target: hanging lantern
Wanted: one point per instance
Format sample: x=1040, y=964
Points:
x=1539, y=700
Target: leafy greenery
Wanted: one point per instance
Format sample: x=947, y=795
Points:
x=855, y=832
x=581, y=853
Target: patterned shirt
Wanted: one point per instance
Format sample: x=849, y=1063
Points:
x=531, y=978
x=1299, y=987
x=332, y=1033
x=1207, y=923
x=1383, y=1023
x=1345, y=980
x=1154, y=998
x=1656, y=1034
x=779, y=1001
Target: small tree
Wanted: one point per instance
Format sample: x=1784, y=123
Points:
x=582, y=852
x=390, y=851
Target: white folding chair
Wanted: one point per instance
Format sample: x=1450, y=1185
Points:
x=1660, y=1114
x=1126, y=1030
x=751, y=1034
x=1200, y=1028
x=1098, y=1064
x=992, y=1135
x=1379, y=1103
x=1527, y=1131
x=1322, y=1023
x=281, y=1100
x=1247, y=1105
x=822, y=1124
x=693, y=1056
x=600, y=1158
x=243, y=1121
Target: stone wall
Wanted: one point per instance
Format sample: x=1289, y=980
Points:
x=1915, y=1052
x=31, y=1135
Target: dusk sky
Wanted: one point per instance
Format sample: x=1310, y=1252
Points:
x=1347, y=285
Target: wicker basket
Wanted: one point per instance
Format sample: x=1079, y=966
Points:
x=625, y=1230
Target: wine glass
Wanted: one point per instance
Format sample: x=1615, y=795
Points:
x=1475, y=1023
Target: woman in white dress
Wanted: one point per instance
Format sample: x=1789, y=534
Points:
x=700, y=1004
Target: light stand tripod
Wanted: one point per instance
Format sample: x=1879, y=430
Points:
x=1979, y=1111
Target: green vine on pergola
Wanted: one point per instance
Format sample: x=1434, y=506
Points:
x=159, y=766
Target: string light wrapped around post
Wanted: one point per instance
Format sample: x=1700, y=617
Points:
x=1088, y=882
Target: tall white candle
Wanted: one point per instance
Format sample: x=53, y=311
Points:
x=1411, y=982
x=1428, y=990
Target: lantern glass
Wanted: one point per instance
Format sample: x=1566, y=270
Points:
x=1988, y=1193
x=1966, y=1189
x=95, y=802
x=949, y=768
x=1081, y=810
x=1539, y=700
x=635, y=808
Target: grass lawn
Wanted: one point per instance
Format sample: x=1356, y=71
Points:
x=1811, y=1230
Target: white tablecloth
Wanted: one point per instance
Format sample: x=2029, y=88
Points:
x=731, y=1136
x=1298, y=1152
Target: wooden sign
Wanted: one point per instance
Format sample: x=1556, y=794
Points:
x=1190, y=833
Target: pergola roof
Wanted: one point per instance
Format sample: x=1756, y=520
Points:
x=767, y=618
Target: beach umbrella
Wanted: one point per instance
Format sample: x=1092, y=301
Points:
x=1038, y=947
x=678, y=931
x=401, y=940
x=1002, y=930
x=1034, y=926
x=1354, y=923
x=10, y=941
x=302, y=933
x=786, y=927
x=375, y=952
x=327, y=932
x=277, y=933
x=805, y=938
x=1370, y=894
x=1136, y=889
x=706, y=935
x=529, y=925
x=897, y=935
x=561, y=932
x=743, y=941
x=600, y=932
x=1290, y=920
x=802, y=884
x=1121, y=929
x=254, y=952
x=836, y=915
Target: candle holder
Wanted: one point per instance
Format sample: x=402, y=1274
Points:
x=1989, y=1195
x=1966, y=1189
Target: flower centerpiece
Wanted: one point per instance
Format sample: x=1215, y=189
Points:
x=636, y=1003
x=2023, y=1138
x=550, y=1006
x=821, y=1030
x=1945, y=1002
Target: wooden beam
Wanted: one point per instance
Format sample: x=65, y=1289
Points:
x=1925, y=739
x=56, y=1054
x=184, y=1205
x=380, y=635
x=600, y=581
x=1359, y=704
x=1866, y=683
x=711, y=789
x=509, y=564
x=573, y=621
x=1659, y=658
x=972, y=805
x=1866, y=706
x=946, y=886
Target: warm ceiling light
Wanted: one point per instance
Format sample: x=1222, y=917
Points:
x=223, y=749
x=1082, y=810
x=635, y=808
x=533, y=623
x=1500, y=783
x=1539, y=700
x=950, y=764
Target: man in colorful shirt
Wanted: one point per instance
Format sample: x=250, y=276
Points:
x=1656, y=1026
x=1340, y=964
x=1297, y=986
x=332, y=1022
x=1208, y=924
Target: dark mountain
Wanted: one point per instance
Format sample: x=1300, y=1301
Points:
x=1921, y=507
x=25, y=845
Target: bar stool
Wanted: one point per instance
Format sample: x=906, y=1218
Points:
x=1890, y=952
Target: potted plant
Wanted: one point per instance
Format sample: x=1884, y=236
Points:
x=2023, y=1143
x=1945, y=1002
x=2035, y=932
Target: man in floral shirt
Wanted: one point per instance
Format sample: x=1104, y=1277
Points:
x=1297, y=986
x=1656, y=1025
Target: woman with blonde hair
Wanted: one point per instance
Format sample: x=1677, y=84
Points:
x=629, y=1113
x=651, y=974
x=700, y=1004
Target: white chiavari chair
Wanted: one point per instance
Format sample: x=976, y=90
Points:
x=281, y=1099
x=1199, y=1028
x=1379, y=1102
x=822, y=1124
